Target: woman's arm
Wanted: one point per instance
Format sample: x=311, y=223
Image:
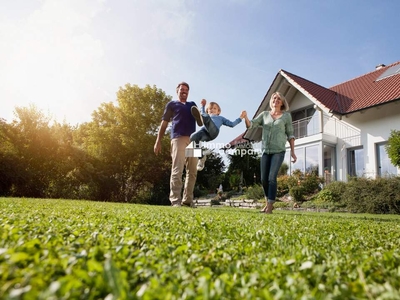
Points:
x=291, y=143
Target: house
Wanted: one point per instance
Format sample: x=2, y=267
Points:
x=341, y=130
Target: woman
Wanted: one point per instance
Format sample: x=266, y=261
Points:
x=277, y=128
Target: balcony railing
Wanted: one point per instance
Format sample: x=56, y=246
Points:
x=312, y=125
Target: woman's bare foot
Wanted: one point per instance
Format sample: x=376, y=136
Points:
x=269, y=208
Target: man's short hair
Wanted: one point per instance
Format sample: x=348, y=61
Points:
x=182, y=83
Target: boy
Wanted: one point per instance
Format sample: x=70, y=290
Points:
x=212, y=120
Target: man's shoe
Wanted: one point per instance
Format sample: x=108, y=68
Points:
x=197, y=115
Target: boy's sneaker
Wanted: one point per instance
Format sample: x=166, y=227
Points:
x=207, y=152
x=200, y=164
x=202, y=161
x=197, y=115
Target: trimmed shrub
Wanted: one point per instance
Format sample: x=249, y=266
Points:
x=255, y=192
x=334, y=191
x=375, y=196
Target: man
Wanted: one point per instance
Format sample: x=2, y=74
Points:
x=183, y=125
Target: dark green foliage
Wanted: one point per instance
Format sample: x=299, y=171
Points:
x=393, y=147
x=212, y=175
x=244, y=168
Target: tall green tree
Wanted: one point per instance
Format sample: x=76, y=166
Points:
x=9, y=163
x=122, y=137
x=35, y=149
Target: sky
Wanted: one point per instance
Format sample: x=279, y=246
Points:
x=67, y=57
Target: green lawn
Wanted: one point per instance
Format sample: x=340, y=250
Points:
x=68, y=249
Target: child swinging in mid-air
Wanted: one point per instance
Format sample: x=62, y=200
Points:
x=212, y=121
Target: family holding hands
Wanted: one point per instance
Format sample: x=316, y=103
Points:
x=276, y=126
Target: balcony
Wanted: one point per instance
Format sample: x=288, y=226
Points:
x=323, y=123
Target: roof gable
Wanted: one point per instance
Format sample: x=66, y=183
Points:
x=325, y=97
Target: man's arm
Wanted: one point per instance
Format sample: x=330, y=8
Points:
x=160, y=135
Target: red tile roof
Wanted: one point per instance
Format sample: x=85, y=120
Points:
x=366, y=91
x=356, y=94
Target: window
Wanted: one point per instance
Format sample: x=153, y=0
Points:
x=305, y=122
x=299, y=164
x=307, y=159
x=329, y=163
x=385, y=167
x=312, y=158
x=393, y=70
x=356, y=162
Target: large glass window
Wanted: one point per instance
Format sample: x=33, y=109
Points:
x=385, y=167
x=312, y=159
x=329, y=163
x=356, y=162
x=307, y=159
x=299, y=164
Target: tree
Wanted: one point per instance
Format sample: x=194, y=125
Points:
x=212, y=175
x=122, y=137
x=33, y=149
x=9, y=165
x=393, y=147
x=244, y=167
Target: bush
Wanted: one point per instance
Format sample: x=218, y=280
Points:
x=337, y=189
x=325, y=196
x=283, y=185
x=312, y=183
x=303, y=186
x=393, y=147
x=297, y=192
x=375, y=196
x=255, y=192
